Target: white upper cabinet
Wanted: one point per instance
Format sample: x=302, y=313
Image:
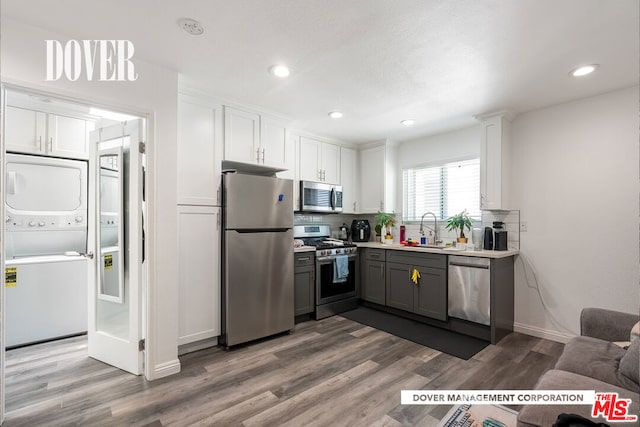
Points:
x=36, y=132
x=494, y=164
x=273, y=143
x=68, y=136
x=348, y=175
x=25, y=130
x=377, y=179
x=319, y=161
x=254, y=138
x=330, y=163
x=241, y=136
x=199, y=154
x=310, y=160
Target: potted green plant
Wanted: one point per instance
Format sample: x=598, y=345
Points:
x=460, y=222
x=386, y=221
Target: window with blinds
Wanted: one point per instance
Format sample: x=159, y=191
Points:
x=444, y=190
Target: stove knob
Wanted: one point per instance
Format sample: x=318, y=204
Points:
x=41, y=223
x=326, y=252
x=338, y=251
x=32, y=223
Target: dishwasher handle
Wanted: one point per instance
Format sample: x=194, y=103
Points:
x=460, y=264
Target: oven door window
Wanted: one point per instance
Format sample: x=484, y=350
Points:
x=330, y=291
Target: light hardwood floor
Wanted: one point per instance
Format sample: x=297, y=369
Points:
x=333, y=372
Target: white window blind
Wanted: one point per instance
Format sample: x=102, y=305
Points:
x=444, y=190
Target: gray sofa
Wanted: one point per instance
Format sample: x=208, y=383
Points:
x=592, y=362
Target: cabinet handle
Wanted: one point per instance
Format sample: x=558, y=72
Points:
x=218, y=220
x=381, y=205
x=319, y=174
x=218, y=195
x=50, y=144
x=382, y=271
x=263, y=156
x=304, y=259
x=324, y=175
x=354, y=206
x=258, y=155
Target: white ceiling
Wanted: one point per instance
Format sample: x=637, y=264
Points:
x=378, y=61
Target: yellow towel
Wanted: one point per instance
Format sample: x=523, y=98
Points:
x=415, y=276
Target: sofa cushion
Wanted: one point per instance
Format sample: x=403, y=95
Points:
x=635, y=332
x=597, y=359
x=630, y=362
x=546, y=415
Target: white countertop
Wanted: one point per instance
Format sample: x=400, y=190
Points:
x=304, y=249
x=444, y=251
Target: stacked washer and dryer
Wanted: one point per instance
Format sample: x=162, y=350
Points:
x=45, y=247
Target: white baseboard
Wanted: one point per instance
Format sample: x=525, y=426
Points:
x=165, y=369
x=542, y=333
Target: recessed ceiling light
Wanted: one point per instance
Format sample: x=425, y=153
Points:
x=335, y=114
x=408, y=122
x=191, y=26
x=279, y=70
x=584, y=70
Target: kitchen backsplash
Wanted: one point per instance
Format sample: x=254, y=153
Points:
x=334, y=220
x=511, y=221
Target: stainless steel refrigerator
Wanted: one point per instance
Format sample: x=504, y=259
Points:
x=257, y=265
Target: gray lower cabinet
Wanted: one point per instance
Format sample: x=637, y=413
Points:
x=429, y=296
x=304, y=284
x=372, y=273
x=386, y=281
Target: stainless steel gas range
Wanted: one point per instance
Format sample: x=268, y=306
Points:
x=336, y=270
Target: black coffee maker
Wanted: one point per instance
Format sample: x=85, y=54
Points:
x=496, y=238
x=499, y=236
x=360, y=230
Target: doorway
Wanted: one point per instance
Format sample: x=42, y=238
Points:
x=73, y=242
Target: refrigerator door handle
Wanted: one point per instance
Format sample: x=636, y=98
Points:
x=262, y=230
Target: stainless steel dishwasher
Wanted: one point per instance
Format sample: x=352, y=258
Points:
x=469, y=288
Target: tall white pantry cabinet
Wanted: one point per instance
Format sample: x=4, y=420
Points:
x=199, y=219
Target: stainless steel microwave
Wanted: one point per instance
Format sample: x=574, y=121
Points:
x=320, y=197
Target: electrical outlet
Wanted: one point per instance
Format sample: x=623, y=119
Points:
x=523, y=227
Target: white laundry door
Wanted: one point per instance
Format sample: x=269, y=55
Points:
x=116, y=240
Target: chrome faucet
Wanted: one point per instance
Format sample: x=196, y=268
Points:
x=435, y=226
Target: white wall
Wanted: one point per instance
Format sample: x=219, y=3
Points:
x=575, y=180
x=23, y=61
